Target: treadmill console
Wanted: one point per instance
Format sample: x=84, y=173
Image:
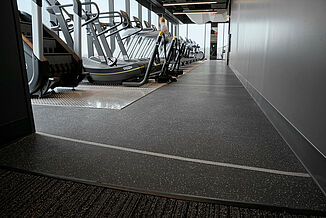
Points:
x=126, y=19
x=147, y=24
x=138, y=22
x=154, y=27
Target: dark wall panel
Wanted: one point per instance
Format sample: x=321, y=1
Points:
x=279, y=46
x=16, y=117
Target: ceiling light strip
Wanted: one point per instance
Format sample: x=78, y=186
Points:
x=197, y=12
x=188, y=3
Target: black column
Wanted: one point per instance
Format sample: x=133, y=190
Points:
x=16, y=118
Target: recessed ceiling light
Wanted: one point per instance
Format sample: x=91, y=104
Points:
x=204, y=10
x=188, y=3
x=194, y=12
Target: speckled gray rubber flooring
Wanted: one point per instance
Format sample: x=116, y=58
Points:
x=206, y=115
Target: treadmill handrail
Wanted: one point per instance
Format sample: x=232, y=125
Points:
x=115, y=32
x=97, y=15
x=114, y=26
x=151, y=62
x=134, y=33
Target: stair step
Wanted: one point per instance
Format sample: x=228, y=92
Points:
x=49, y=44
x=59, y=58
x=66, y=68
x=57, y=54
x=29, y=37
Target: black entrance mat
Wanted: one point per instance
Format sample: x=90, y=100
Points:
x=24, y=194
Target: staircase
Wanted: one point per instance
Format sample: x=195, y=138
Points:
x=61, y=66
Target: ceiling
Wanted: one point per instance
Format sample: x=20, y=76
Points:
x=194, y=11
x=195, y=8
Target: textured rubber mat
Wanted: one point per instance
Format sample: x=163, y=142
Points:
x=102, y=96
x=27, y=195
x=95, y=96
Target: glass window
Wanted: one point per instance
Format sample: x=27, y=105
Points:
x=133, y=9
x=144, y=13
x=119, y=5
x=196, y=33
x=154, y=19
x=103, y=5
x=183, y=30
x=25, y=6
x=208, y=40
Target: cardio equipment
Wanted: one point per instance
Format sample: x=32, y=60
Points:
x=143, y=44
x=103, y=65
x=190, y=52
x=50, y=63
x=142, y=49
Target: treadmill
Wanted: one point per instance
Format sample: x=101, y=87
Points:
x=102, y=68
x=150, y=46
x=147, y=45
x=140, y=45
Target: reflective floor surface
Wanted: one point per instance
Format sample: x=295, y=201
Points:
x=101, y=97
x=202, y=136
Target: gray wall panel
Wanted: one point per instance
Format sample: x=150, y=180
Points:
x=279, y=46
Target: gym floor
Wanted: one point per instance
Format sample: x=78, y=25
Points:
x=203, y=136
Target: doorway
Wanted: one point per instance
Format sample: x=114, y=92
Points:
x=219, y=41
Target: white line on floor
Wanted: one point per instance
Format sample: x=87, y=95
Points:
x=168, y=156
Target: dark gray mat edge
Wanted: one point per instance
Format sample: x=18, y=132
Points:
x=176, y=196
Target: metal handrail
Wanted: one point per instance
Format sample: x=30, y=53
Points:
x=138, y=31
x=97, y=15
x=114, y=25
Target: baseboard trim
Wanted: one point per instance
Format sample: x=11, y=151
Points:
x=312, y=159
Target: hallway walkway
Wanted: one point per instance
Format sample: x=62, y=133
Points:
x=203, y=136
